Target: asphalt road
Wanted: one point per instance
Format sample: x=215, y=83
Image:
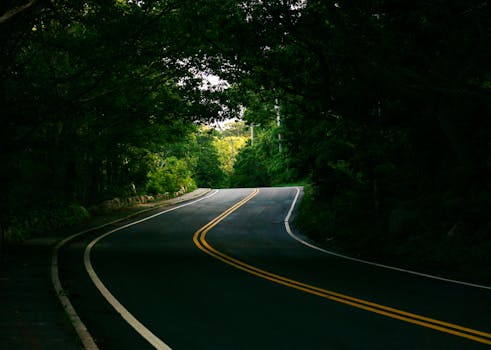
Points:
x=240, y=281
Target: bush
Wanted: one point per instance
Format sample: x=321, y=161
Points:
x=42, y=221
x=172, y=176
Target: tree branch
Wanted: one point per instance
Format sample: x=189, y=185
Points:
x=16, y=10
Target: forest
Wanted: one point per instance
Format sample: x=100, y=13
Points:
x=380, y=109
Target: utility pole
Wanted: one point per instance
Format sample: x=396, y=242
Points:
x=278, y=122
x=252, y=134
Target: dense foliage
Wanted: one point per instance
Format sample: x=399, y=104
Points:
x=384, y=107
x=262, y=163
x=94, y=96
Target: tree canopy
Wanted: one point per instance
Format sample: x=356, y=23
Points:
x=386, y=109
x=384, y=105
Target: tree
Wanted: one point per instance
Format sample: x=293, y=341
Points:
x=208, y=171
x=382, y=107
x=171, y=175
x=88, y=91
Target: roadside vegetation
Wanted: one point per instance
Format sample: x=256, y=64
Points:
x=383, y=112
x=203, y=158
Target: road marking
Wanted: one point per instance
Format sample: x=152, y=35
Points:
x=199, y=240
x=156, y=342
x=313, y=246
x=82, y=332
x=80, y=328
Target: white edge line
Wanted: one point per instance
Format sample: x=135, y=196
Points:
x=156, y=342
x=80, y=328
x=82, y=332
x=310, y=245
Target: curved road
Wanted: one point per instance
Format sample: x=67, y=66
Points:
x=223, y=273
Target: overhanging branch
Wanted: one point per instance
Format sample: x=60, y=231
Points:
x=16, y=10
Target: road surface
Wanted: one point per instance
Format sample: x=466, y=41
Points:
x=223, y=273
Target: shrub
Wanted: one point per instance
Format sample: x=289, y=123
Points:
x=41, y=221
x=171, y=176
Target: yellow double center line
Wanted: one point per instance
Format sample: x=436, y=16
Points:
x=446, y=327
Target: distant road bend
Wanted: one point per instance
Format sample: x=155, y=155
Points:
x=222, y=272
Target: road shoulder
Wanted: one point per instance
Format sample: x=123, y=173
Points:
x=32, y=316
